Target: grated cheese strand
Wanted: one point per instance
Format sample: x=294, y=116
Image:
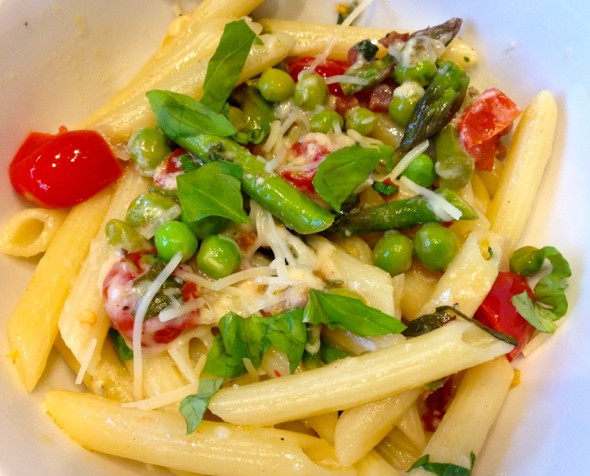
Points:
x=144, y=303
x=86, y=360
x=407, y=160
x=443, y=209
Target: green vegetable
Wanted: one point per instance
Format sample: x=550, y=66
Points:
x=175, y=237
x=393, y=253
x=123, y=350
x=272, y=192
x=148, y=148
x=383, y=188
x=427, y=323
x=226, y=64
x=373, y=72
x=421, y=171
x=436, y=246
x=254, y=117
x=242, y=338
x=367, y=49
x=150, y=210
x=400, y=108
x=361, y=119
x=310, y=91
x=422, y=73
x=193, y=407
x=444, y=469
x=184, y=116
x=207, y=226
x=398, y=214
x=122, y=235
x=550, y=303
x=212, y=190
x=329, y=353
x=343, y=170
x=343, y=312
x=219, y=256
x=435, y=109
x=325, y=121
x=276, y=85
x=453, y=165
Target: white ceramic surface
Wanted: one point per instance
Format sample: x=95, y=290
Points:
x=59, y=59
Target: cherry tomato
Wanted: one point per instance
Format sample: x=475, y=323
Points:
x=483, y=122
x=325, y=69
x=498, y=312
x=56, y=171
x=302, y=161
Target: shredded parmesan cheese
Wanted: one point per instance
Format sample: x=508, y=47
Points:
x=407, y=160
x=443, y=209
x=86, y=361
x=167, y=398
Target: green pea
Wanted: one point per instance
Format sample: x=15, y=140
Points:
x=276, y=85
x=526, y=261
x=421, y=171
x=218, y=256
x=400, y=108
x=393, y=253
x=324, y=121
x=148, y=148
x=436, y=246
x=361, y=119
x=207, y=226
x=122, y=235
x=151, y=209
x=175, y=237
x=310, y=91
x=422, y=73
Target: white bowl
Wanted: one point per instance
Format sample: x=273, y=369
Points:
x=60, y=60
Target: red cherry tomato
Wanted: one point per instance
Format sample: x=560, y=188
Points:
x=483, y=122
x=325, y=69
x=498, y=312
x=56, y=171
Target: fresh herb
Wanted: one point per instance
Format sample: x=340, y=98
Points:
x=550, y=302
x=123, y=350
x=366, y=49
x=183, y=116
x=443, y=469
x=330, y=353
x=226, y=64
x=348, y=313
x=212, y=190
x=193, y=407
x=342, y=171
x=385, y=189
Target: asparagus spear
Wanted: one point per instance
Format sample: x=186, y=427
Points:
x=398, y=214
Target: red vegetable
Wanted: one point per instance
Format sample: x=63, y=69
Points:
x=482, y=124
x=56, y=171
x=325, y=69
x=498, y=312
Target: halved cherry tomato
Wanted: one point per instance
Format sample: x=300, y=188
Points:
x=325, y=69
x=498, y=312
x=56, y=171
x=483, y=122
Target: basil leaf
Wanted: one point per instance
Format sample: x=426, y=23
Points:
x=550, y=300
x=342, y=171
x=426, y=323
x=330, y=353
x=343, y=312
x=212, y=190
x=242, y=338
x=226, y=64
x=443, y=469
x=183, y=116
x=193, y=407
x=123, y=350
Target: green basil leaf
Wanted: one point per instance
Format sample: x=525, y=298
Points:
x=539, y=317
x=343, y=312
x=123, y=350
x=193, y=407
x=443, y=469
x=226, y=64
x=212, y=190
x=330, y=353
x=342, y=171
x=426, y=323
x=183, y=116
x=288, y=333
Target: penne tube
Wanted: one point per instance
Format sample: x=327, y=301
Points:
x=528, y=155
x=30, y=231
x=471, y=414
x=374, y=465
x=469, y=277
x=358, y=380
x=160, y=438
x=34, y=324
x=361, y=428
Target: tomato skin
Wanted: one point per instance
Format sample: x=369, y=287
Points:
x=62, y=170
x=325, y=69
x=498, y=312
x=482, y=124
